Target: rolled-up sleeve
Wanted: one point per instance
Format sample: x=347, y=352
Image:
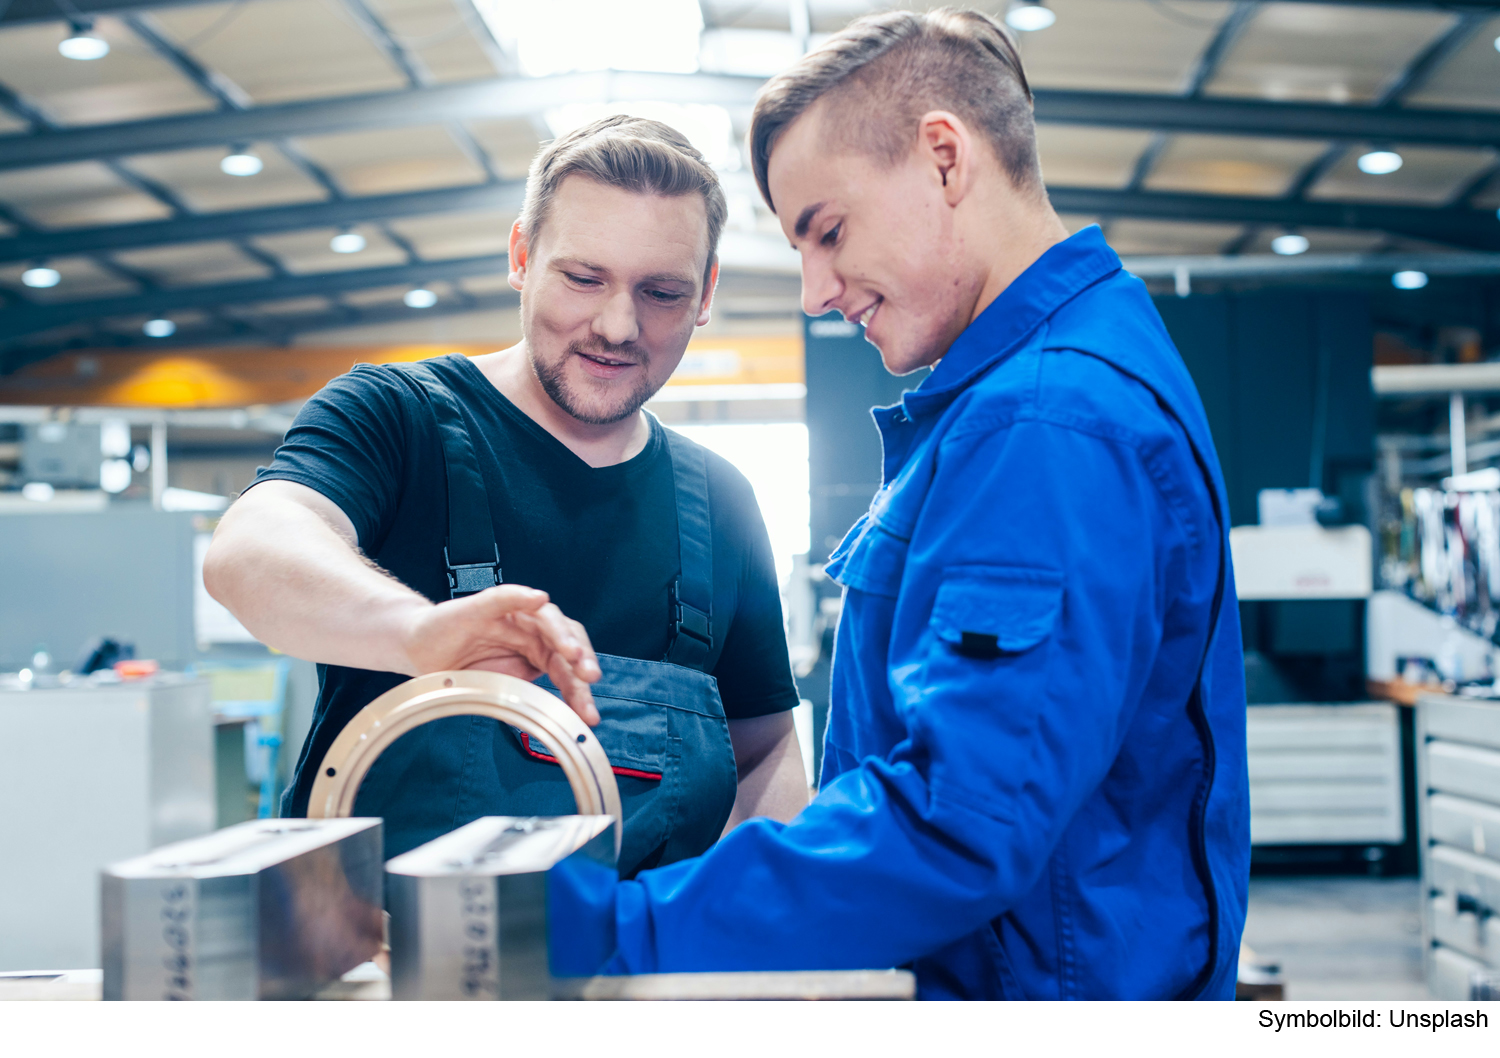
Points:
x=1029, y=610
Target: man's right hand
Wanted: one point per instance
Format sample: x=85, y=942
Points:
x=510, y=629
x=285, y=561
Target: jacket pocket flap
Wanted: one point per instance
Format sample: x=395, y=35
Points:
x=995, y=609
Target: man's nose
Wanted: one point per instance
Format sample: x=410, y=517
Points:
x=617, y=322
x=821, y=286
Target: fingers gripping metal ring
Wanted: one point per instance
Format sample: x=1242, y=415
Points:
x=466, y=693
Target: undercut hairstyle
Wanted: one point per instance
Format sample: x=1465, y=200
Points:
x=883, y=72
x=635, y=154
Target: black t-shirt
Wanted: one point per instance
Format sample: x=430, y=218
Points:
x=601, y=541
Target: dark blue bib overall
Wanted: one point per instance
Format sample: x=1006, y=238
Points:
x=662, y=725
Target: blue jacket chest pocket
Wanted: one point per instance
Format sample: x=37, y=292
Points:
x=989, y=611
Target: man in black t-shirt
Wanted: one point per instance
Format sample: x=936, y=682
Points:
x=336, y=552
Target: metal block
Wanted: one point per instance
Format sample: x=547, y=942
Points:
x=270, y=909
x=469, y=909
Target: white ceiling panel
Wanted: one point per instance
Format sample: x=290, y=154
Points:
x=1083, y=156
x=384, y=161
x=1488, y=197
x=1124, y=45
x=446, y=235
x=493, y=284
x=307, y=252
x=1469, y=79
x=82, y=277
x=1169, y=237
x=500, y=326
x=511, y=144
x=194, y=264
x=78, y=195
x=196, y=176
x=1429, y=176
x=129, y=83
x=281, y=50
x=1329, y=53
x=283, y=307
x=438, y=35
x=1231, y=165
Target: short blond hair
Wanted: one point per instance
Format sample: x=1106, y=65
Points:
x=882, y=72
x=635, y=154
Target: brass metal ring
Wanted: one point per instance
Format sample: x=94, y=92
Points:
x=470, y=692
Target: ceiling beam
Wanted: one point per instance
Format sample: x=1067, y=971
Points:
x=524, y=97
x=1473, y=229
x=23, y=11
x=1469, y=228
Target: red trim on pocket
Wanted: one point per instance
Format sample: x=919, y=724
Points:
x=547, y=758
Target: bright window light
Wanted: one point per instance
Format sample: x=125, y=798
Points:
x=38, y=491
x=241, y=163
x=1409, y=280
x=83, y=45
x=420, y=298
x=707, y=126
x=41, y=278
x=159, y=329
x=747, y=52
x=560, y=36
x=1379, y=163
x=347, y=242
x=773, y=456
x=1029, y=17
x=1497, y=43
x=1289, y=245
x=114, y=438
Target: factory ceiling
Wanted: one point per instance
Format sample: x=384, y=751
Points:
x=399, y=131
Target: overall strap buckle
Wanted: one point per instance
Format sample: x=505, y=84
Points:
x=692, y=641
x=469, y=578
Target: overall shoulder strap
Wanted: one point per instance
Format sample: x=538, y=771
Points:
x=692, y=643
x=470, y=553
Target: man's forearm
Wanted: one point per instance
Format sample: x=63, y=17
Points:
x=300, y=586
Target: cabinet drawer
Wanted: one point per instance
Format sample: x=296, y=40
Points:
x=1282, y=765
x=1468, y=825
x=1461, y=721
x=1465, y=931
x=1349, y=796
x=1325, y=828
x=1450, y=974
x=1454, y=871
x=1468, y=771
x=1301, y=728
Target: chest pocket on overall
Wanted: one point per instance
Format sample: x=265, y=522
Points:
x=662, y=722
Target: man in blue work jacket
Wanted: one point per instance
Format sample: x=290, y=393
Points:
x=1034, y=782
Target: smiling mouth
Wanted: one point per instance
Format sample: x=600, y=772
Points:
x=863, y=319
x=606, y=361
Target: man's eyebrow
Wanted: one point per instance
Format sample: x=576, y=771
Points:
x=578, y=262
x=669, y=277
x=805, y=218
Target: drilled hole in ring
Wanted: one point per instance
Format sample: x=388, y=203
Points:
x=448, y=683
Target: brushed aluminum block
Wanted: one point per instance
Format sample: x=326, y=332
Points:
x=469, y=909
x=269, y=909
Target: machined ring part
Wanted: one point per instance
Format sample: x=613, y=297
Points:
x=469, y=692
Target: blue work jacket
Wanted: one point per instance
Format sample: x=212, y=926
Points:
x=1034, y=782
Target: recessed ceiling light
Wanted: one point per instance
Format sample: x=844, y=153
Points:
x=420, y=298
x=1289, y=245
x=241, y=163
x=82, y=44
x=41, y=277
x=1029, y=16
x=347, y=242
x=159, y=329
x=1379, y=163
x=1409, y=280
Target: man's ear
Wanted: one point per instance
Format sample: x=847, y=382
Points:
x=944, y=143
x=519, y=253
x=705, y=310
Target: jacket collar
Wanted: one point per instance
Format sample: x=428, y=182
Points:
x=1054, y=279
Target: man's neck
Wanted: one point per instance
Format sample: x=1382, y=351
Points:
x=510, y=372
x=1031, y=230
